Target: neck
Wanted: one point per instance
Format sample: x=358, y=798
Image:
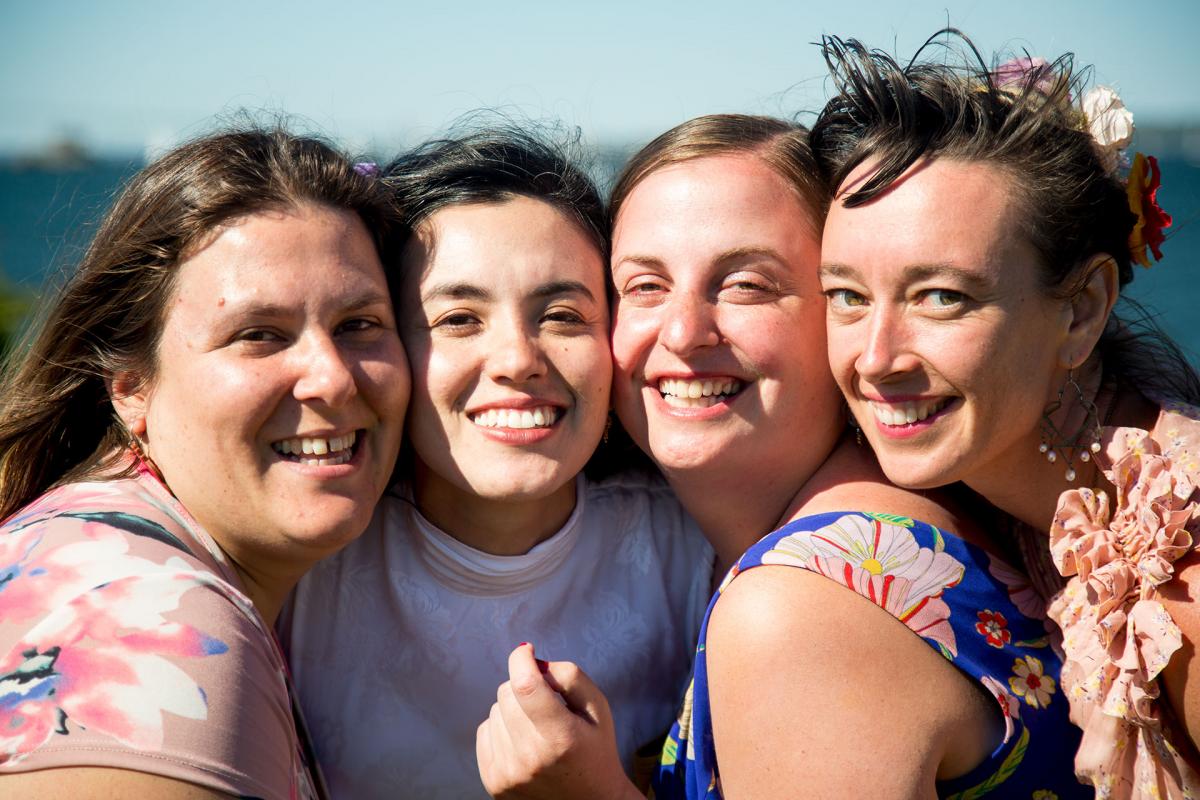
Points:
x=267, y=588
x=502, y=527
x=736, y=507
x=1024, y=484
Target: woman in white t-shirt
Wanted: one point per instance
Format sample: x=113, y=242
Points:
x=498, y=535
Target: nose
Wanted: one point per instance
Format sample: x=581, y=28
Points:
x=514, y=355
x=689, y=324
x=883, y=352
x=324, y=376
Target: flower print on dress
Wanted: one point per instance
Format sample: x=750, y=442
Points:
x=1030, y=682
x=1010, y=706
x=1118, y=637
x=95, y=654
x=993, y=627
x=882, y=562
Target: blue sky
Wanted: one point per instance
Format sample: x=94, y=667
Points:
x=124, y=75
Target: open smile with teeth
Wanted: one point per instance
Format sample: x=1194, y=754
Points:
x=516, y=418
x=316, y=451
x=895, y=414
x=682, y=393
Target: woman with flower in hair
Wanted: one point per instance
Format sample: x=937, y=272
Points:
x=984, y=224
x=873, y=643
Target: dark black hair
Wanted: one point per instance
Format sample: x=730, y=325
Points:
x=493, y=165
x=498, y=163
x=946, y=101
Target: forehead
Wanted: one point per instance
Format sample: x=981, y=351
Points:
x=525, y=240
x=939, y=211
x=711, y=204
x=295, y=255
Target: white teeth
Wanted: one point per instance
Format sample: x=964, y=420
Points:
x=518, y=419
x=682, y=393
x=907, y=413
x=332, y=451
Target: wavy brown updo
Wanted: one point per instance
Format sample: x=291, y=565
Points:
x=57, y=422
x=946, y=102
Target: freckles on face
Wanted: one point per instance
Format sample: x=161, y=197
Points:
x=940, y=333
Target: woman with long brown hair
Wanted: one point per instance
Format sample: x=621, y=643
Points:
x=213, y=402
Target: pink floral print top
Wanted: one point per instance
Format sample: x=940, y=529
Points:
x=126, y=642
x=1117, y=636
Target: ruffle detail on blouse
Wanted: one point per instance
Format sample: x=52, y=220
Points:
x=1117, y=636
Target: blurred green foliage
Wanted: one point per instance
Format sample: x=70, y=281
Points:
x=15, y=305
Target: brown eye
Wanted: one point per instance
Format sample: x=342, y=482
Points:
x=845, y=298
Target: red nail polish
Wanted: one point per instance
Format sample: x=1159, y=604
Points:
x=544, y=666
x=522, y=644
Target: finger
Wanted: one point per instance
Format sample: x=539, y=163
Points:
x=536, y=698
x=501, y=757
x=484, y=757
x=580, y=693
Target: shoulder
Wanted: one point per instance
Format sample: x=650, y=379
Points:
x=111, y=624
x=851, y=480
x=799, y=658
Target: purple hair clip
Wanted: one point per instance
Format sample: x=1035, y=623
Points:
x=1025, y=72
x=368, y=169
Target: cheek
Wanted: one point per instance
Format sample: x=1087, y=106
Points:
x=634, y=333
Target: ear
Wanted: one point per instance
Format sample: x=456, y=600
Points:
x=1089, y=310
x=130, y=399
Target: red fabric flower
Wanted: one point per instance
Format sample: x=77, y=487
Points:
x=993, y=627
x=1142, y=189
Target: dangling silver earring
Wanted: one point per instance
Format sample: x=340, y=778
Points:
x=1086, y=440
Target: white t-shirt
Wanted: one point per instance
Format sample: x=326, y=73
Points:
x=398, y=643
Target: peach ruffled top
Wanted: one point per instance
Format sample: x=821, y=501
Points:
x=1117, y=636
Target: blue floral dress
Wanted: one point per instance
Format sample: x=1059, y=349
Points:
x=981, y=614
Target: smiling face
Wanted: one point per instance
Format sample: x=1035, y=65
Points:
x=276, y=410
x=507, y=328
x=718, y=337
x=940, y=335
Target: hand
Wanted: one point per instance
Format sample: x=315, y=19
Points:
x=549, y=735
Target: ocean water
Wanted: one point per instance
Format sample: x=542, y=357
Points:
x=47, y=218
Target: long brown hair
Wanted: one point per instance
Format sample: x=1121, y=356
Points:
x=57, y=422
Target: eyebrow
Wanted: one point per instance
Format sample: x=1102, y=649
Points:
x=728, y=255
x=254, y=308
x=913, y=273
x=470, y=291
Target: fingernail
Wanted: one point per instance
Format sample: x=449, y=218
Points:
x=522, y=644
x=544, y=666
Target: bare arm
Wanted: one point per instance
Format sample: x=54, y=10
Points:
x=1181, y=677
x=817, y=692
x=101, y=783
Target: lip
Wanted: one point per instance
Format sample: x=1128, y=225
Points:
x=517, y=403
x=719, y=408
x=517, y=437
x=358, y=456
x=911, y=429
